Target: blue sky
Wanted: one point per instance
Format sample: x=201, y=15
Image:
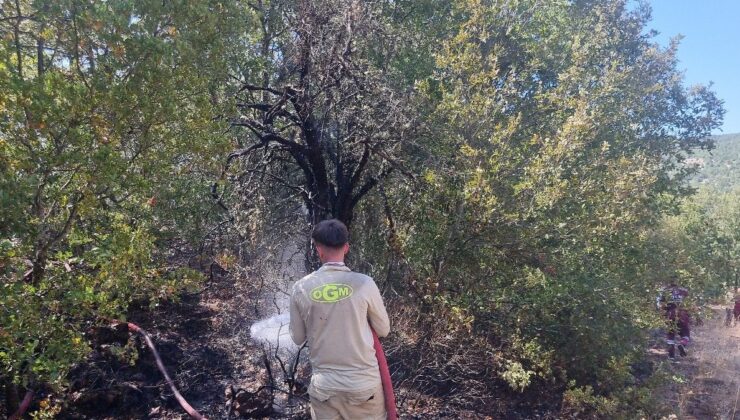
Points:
x=710, y=49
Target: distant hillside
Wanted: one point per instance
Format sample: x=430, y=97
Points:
x=720, y=167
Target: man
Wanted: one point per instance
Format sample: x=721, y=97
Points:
x=333, y=309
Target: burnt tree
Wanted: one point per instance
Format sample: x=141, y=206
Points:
x=323, y=119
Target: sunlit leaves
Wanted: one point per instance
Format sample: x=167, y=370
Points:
x=558, y=127
x=108, y=130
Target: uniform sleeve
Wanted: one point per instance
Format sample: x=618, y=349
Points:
x=297, y=324
x=376, y=312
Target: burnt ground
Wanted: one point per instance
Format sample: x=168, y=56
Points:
x=706, y=383
x=204, y=342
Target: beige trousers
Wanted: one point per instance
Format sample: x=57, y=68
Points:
x=367, y=405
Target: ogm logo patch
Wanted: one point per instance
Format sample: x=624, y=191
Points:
x=331, y=292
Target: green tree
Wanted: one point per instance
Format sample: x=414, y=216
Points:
x=107, y=129
x=701, y=243
x=558, y=132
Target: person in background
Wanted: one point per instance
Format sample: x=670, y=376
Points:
x=333, y=309
x=670, y=301
x=735, y=312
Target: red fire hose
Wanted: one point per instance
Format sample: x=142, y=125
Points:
x=136, y=329
x=385, y=378
x=23, y=407
x=184, y=404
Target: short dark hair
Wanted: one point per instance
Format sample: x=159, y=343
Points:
x=331, y=233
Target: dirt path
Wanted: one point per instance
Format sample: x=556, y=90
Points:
x=706, y=383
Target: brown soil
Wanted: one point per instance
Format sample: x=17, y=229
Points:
x=706, y=383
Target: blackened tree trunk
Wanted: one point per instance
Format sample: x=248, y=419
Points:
x=325, y=124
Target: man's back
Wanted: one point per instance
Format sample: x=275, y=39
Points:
x=331, y=308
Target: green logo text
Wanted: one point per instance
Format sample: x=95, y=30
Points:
x=331, y=292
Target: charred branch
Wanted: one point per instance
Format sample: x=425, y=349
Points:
x=329, y=114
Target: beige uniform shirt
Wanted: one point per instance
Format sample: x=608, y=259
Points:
x=331, y=308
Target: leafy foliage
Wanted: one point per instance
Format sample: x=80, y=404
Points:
x=702, y=242
x=107, y=132
x=516, y=171
x=547, y=171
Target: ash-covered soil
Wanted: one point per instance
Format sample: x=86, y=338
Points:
x=204, y=342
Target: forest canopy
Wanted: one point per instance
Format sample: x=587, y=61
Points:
x=516, y=175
